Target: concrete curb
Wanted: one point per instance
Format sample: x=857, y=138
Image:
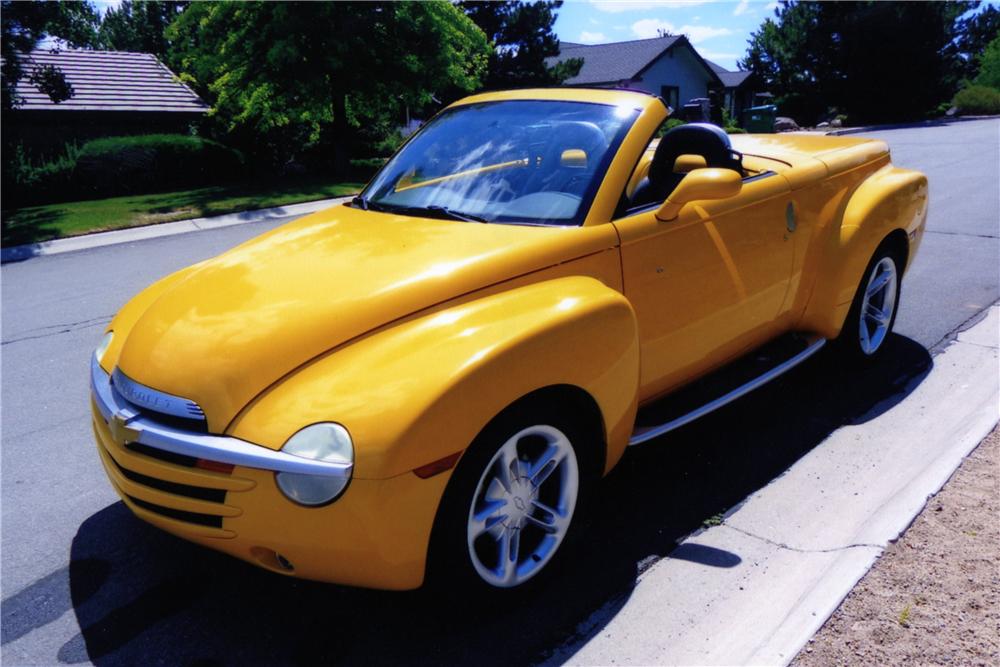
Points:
x=902, y=126
x=804, y=541
x=22, y=252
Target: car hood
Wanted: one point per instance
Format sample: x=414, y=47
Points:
x=238, y=323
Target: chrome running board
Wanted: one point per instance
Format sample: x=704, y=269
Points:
x=645, y=433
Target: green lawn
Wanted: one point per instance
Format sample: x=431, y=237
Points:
x=41, y=223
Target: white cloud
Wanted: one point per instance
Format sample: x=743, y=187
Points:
x=588, y=37
x=771, y=6
x=718, y=55
x=594, y=21
x=616, y=6
x=646, y=28
x=741, y=7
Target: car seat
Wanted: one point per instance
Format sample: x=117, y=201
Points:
x=552, y=174
x=709, y=141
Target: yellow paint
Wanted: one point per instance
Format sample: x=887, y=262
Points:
x=727, y=258
x=415, y=332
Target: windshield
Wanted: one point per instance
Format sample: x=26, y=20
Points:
x=526, y=161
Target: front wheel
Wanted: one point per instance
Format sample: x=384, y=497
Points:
x=873, y=311
x=511, y=505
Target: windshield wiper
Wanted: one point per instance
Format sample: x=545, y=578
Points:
x=439, y=211
x=454, y=215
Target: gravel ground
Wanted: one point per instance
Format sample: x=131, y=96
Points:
x=934, y=596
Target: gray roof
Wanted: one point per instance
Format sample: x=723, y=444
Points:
x=729, y=79
x=109, y=81
x=608, y=63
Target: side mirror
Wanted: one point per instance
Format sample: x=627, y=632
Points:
x=700, y=184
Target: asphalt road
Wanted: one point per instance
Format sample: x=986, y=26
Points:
x=82, y=580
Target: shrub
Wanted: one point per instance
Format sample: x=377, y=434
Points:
x=978, y=100
x=118, y=166
x=943, y=109
x=26, y=182
x=390, y=144
x=151, y=163
x=989, y=65
x=363, y=169
x=669, y=125
x=734, y=130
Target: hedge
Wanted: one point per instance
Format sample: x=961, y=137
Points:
x=978, y=100
x=153, y=162
x=117, y=166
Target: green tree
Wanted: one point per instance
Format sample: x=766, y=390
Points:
x=989, y=65
x=24, y=25
x=876, y=61
x=522, y=38
x=285, y=77
x=975, y=32
x=139, y=26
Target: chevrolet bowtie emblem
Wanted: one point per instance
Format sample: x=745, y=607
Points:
x=120, y=432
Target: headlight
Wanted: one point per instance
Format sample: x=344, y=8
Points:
x=103, y=347
x=319, y=442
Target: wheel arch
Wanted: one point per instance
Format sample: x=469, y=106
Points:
x=572, y=403
x=568, y=401
x=890, y=207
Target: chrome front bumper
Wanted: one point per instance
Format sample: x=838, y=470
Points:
x=128, y=424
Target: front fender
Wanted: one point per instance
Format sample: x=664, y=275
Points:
x=422, y=390
x=890, y=199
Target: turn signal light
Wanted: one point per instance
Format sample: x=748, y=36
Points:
x=214, y=466
x=437, y=467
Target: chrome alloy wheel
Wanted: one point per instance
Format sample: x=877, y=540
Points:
x=877, y=306
x=523, y=506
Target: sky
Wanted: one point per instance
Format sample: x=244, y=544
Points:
x=718, y=30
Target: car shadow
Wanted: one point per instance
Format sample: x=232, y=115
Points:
x=139, y=593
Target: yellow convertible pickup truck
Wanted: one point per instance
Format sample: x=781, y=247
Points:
x=426, y=383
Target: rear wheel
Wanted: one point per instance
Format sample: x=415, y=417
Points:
x=512, y=505
x=873, y=311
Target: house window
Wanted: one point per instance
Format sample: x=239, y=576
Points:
x=671, y=95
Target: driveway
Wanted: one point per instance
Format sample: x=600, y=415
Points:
x=85, y=581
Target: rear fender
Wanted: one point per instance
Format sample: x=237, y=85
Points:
x=890, y=199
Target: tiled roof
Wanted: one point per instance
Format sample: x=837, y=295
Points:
x=607, y=63
x=109, y=81
x=729, y=79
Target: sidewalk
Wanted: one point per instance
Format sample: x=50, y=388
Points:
x=839, y=131
x=933, y=597
x=73, y=243
x=798, y=546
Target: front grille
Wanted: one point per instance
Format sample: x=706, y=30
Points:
x=180, y=413
x=181, y=423
x=162, y=454
x=197, y=492
x=180, y=515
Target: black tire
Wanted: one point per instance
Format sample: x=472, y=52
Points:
x=851, y=342
x=451, y=569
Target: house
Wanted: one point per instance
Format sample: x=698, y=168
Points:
x=667, y=66
x=741, y=90
x=115, y=93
